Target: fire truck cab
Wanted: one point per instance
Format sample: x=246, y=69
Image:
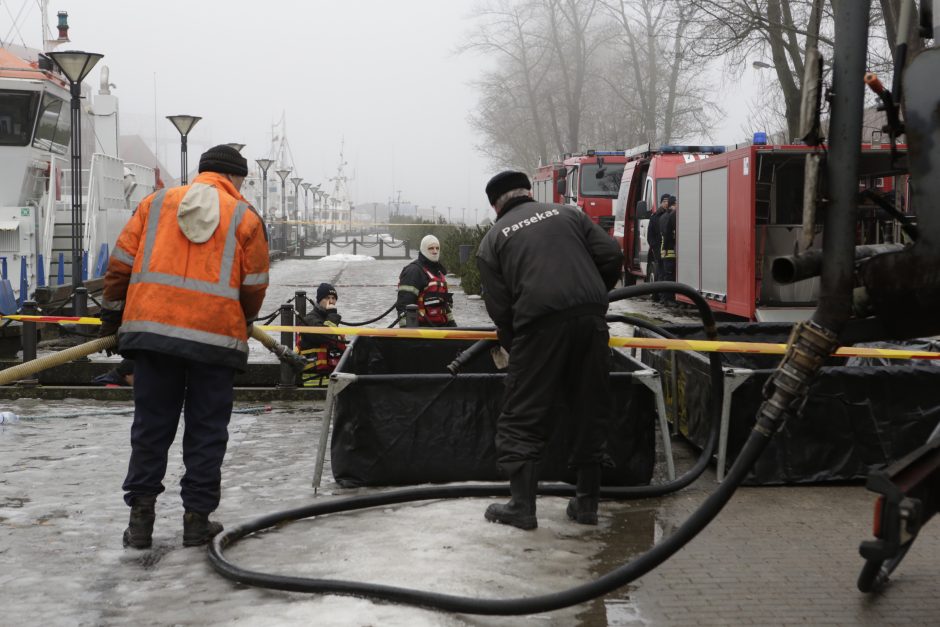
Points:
x=589, y=181
x=647, y=175
x=740, y=210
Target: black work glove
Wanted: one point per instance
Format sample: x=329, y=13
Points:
x=110, y=323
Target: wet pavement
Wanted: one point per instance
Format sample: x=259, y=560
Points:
x=774, y=556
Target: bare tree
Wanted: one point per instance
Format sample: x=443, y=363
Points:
x=508, y=32
x=738, y=30
x=662, y=78
x=575, y=34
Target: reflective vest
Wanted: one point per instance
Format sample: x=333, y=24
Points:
x=184, y=298
x=322, y=357
x=434, y=301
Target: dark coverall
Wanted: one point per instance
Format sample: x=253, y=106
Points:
x=654, y=238
x=667, y=225
x=546, y=270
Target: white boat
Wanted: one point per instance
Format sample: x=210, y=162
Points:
x=35, y=175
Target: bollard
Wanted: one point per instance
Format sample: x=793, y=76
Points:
x=80, y=302
x=354, y=245
x=411, y=316
x=29, y=338
x=407, y=250
x=80, y=308
x=381, y=249
x=300, y=315
x=287, y=339
x=328, y=247
x=30, y=331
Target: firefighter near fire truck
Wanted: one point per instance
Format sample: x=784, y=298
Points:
x=423, y=282
x=546, y=270
x=322, y=352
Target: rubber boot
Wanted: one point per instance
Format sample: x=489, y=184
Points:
x=198, y=529
x=520, y=510
x=583, y=507
x=139, y=532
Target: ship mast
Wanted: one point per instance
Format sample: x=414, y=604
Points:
x=342, y=207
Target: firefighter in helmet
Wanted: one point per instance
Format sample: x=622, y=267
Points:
x=423, y=282
x=322, y=351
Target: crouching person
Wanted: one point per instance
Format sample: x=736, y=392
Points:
x=322, y=351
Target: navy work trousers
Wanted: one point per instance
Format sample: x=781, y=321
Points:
x=163, y=385
x=563, y=366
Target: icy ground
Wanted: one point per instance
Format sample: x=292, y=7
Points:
x=774, y=556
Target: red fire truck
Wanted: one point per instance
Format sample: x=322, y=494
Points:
x=589, y=181
x=647, y=175
x=740, y=210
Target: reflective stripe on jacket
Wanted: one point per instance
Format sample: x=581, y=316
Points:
x=323, y=351
x=184, y=298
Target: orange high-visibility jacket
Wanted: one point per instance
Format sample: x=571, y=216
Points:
x=190, y=298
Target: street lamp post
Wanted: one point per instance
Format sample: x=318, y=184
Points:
x=184, y=124
x=283, y=174
x=76, y=65
x=264, y=164
x=297, y=180
x=303, y=222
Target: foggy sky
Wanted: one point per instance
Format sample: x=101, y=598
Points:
x=383, y=75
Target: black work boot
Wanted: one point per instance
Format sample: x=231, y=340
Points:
x=139, y=532
x=520, y=510
x=583, y=507
x=198, y=529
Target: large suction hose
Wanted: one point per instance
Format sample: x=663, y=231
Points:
x=21, y=371
x=606, y=583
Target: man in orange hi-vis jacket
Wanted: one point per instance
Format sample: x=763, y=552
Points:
x=189, y=270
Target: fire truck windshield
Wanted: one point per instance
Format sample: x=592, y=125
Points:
x=604, y=187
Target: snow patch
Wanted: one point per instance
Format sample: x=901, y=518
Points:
x=345, y=257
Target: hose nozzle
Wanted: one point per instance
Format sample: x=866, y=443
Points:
x=285, y=354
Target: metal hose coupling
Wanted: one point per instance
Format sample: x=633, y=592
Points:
x=786, y=390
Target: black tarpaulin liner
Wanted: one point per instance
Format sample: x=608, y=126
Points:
x=855, y=417
x=404, y=421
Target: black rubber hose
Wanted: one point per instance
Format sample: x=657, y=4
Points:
x=451, y=603
x=585, y=592
x=641, y=323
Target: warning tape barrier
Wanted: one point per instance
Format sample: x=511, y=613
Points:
x=424, y=333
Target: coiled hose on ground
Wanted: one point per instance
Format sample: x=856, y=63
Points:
x=606, y=583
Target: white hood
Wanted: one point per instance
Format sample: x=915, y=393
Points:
x=198, y=214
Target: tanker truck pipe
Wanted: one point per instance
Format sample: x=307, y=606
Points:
x=793, y=268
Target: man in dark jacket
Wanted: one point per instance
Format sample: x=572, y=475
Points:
x=322, y=351
x=667, y=226
x=423, y=282
x=654, y=238
x=546, y=270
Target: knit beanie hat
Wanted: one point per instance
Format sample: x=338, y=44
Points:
x=430, y=240
x=506, y=182
x=224, y=160
x=325, y=290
